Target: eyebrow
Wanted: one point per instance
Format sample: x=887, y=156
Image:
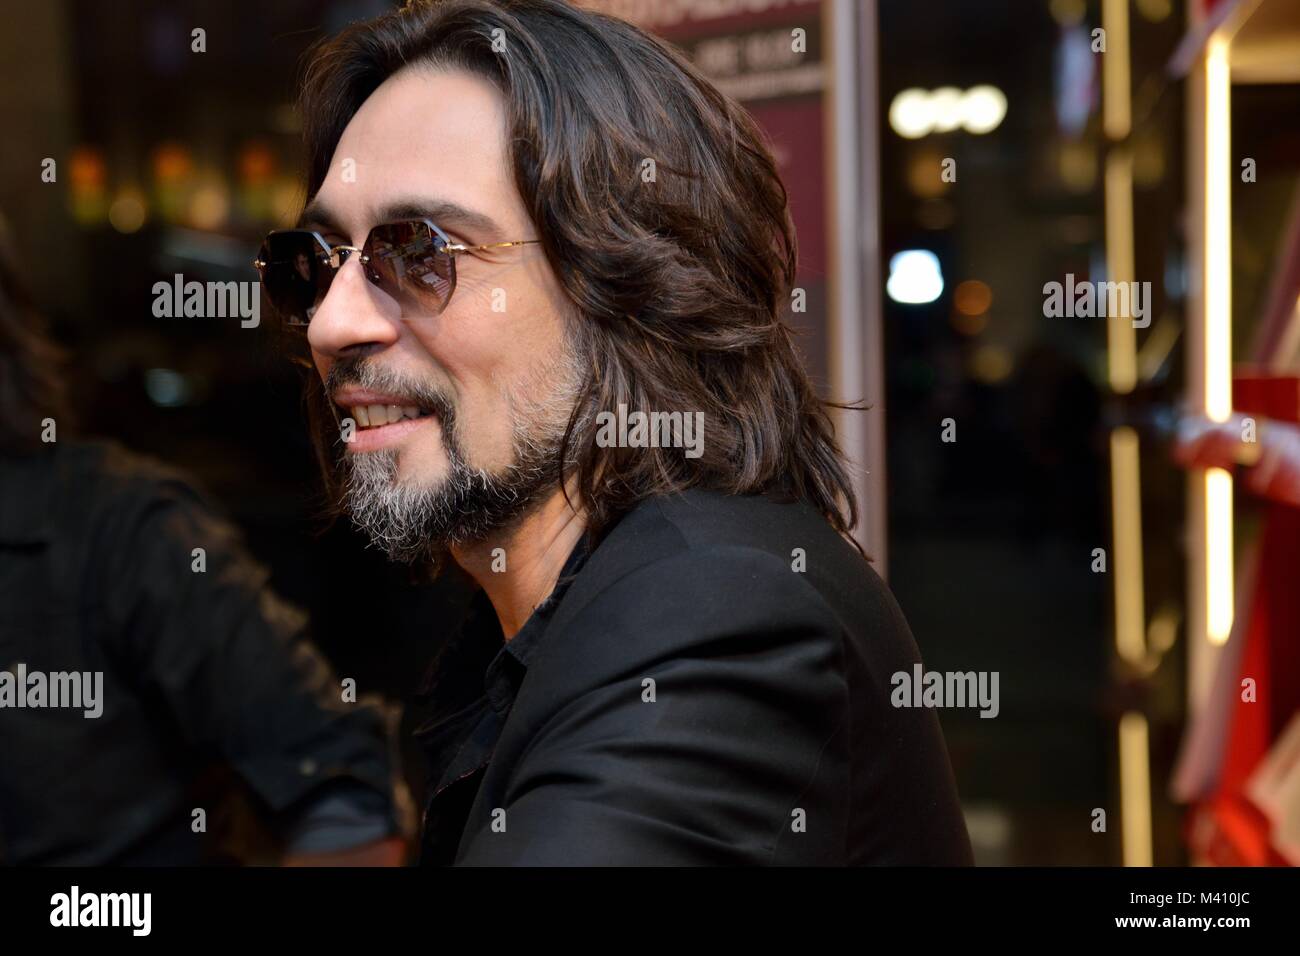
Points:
x=447, y=214
x=318, y=214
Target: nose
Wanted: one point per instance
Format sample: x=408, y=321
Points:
x=353, y=317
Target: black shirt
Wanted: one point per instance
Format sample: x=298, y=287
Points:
x=113, y=565
x=710, y=684
x=458, y=738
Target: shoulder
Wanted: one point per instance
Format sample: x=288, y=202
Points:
x=704, y=574
x=112, y=474
x=135, y=519
x=83, y=480
x=75, y=490
x=682, y=572
x=744, y=549
x=134, y=504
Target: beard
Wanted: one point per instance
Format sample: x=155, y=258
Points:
x=416, y=522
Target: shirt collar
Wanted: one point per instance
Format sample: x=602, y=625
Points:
x=535, y=626
x=478, y=665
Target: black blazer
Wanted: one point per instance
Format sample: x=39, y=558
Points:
x=691, y=698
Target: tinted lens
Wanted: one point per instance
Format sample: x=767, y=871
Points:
x=409, y=263
x=296, y=275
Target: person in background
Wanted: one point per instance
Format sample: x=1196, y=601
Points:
x=179, y=664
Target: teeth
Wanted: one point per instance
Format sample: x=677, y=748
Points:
x=374, y=416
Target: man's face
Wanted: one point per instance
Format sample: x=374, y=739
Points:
x=494, y=368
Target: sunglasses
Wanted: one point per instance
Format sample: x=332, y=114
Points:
x=412, y=261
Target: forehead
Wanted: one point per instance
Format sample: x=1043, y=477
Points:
x=425, y=140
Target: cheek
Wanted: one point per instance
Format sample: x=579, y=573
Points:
x=474, y=358
x=322, y=364
x=490, y=344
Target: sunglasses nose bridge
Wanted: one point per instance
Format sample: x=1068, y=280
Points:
x=339, y=256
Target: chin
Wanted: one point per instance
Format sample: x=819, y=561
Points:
x=419, y=471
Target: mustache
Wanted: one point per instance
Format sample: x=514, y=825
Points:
x=359, y=373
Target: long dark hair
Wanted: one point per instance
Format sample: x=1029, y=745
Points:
x=677, y=282
x=31, y=389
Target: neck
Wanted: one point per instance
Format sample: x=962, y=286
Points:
x=532, y=553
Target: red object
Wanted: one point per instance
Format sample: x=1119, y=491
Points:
x=1227, y=828
x=1266, y=395
x=1229, y=831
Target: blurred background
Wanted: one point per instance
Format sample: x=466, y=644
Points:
x=1067, y=501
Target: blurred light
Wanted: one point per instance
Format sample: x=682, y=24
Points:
x=1218, y=555
x=1217, y=333
x=86, y=169
x=127, y=213
x=1068, y=13
x=1117, y=113
x=173, y=171
x=208, y=250
x=1218, y=231
x=991, y=364
x=989, y=826
x=925, y=174
x=87, y=197
x=914, y=113
x=171, y=162
x=1126, y=534
x=1076, y=163
x=256, y=164
x=1162, y=633
x=945, y=109
x=972, y=297
x=88, y=210
x=1135, y=788
x=1075, y=75
x=1116, y=92
x=166, y=388
x=982, y=109
x=910, y=115
x=914, y=277
x=1155, y=10
x=209, y=206
x=1121, y=337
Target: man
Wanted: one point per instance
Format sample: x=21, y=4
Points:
x=143, y=659
x=552, y=259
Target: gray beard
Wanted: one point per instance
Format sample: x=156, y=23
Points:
x=411, y=523
x=417, y=523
